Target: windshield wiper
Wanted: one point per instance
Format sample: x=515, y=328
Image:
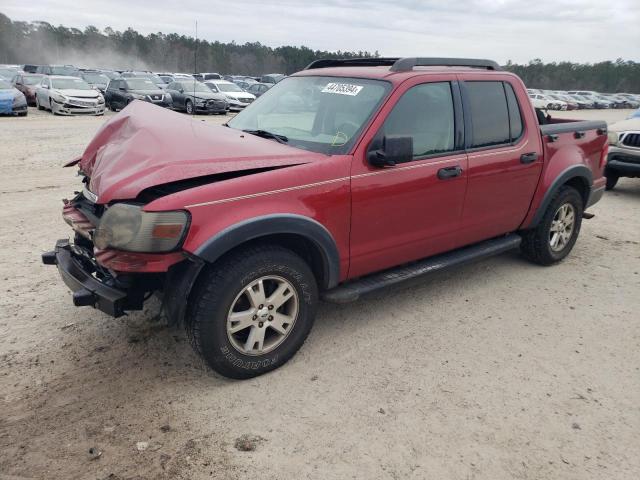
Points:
x=266, y=134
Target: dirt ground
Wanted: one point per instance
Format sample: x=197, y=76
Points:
x=497, y=370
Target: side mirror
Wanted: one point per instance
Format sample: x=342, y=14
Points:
x=394, y=149
x=181, y=90
x=123, y=89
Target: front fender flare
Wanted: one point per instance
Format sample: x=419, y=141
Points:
x=275, y=224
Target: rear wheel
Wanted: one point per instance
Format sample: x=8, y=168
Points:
x=252, y=311
x=557, y=232
x=612, y=180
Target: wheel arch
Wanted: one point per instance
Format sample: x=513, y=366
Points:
x=303, y=235
x=576, y=176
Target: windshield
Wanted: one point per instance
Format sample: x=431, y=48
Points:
x=321, y=114
x=4, y=84
x=195, y=86
x=31, y=79
x=70, y=84
x=98, y=78
x=141, y=84
x=7, y=73
x=71, y=71
x=151, y=76
x=228, y=87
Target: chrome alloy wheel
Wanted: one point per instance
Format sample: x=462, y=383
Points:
x=562, y=227
x=262, y=315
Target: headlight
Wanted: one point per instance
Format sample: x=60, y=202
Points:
x=56, y=97
x=100, y=99
x=19, y=99
x=613, y=138
x=138, y=96
x=128, y=227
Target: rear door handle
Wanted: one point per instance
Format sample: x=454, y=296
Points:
x=528, y=157
x=449, y=172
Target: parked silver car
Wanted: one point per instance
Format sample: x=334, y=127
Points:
x=68, y=96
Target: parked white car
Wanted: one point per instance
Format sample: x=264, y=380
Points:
x=68, y=96
x=544, y=101
x=237, y=97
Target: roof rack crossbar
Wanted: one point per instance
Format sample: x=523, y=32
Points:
x=352, y=62
x=403, y=64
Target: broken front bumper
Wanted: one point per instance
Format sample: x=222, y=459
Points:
x=87, y=289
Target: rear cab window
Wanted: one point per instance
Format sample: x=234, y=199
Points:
x=495, y=115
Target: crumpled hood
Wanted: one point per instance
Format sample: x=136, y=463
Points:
x=145, y=145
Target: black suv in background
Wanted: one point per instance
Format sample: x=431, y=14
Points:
x=65, y=70
x=96, y=79
x=121, y=92
x=192, y=96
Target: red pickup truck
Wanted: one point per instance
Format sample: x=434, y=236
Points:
x=341, y=180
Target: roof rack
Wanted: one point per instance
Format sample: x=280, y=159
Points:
x=404, y=64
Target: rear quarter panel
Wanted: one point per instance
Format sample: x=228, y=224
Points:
x=563, y=153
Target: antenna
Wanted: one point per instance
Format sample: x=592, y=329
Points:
x=195, y=70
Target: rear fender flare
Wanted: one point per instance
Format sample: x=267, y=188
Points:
x=575, y=171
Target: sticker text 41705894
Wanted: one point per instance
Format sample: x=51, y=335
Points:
x=342, y=89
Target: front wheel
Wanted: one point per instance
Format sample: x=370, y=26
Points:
x=189, y=107
x=252, y=311
x=557, y=232
x=40, y=107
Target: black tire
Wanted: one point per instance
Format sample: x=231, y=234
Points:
x=535, y=244
x=188, y=106
x=216, y=292
x=40, y=107
x=612, y=180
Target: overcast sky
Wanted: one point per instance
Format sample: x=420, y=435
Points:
x=576, y=30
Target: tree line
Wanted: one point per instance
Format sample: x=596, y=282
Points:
x=41, y=43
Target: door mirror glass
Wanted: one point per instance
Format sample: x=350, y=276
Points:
x=393, y=149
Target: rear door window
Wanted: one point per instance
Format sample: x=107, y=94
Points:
x=487, y=104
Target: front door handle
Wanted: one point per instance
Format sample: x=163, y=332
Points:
x=449, y=172
x=528, y=157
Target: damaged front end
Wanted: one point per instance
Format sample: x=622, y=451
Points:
x=109, y=279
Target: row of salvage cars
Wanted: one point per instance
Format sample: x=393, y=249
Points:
x=67, y=95
x=90, y=92
x=581, y=99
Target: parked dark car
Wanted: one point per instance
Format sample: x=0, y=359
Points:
x=27, y=83
x=96, y=79
x=207, y=76
x=194, y=97
x=64, y=70
x=271, y=78
x=259, y=88
x=121, y=92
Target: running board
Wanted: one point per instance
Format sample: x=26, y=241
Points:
x=351, y=291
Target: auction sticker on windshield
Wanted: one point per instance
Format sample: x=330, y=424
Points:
x=342, y=89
